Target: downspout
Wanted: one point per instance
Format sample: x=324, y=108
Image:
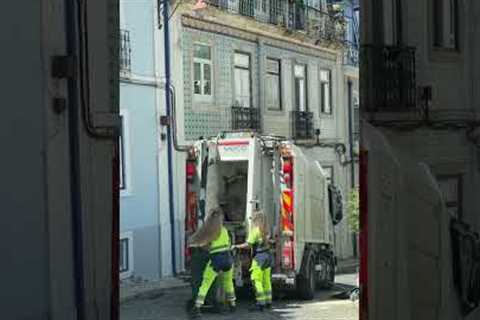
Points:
x=179, y=148
x=350, y=135
x=260, y=83
x=74, y=153
x=166, y=38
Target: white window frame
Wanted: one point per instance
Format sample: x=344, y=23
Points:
x=329, y=83
x=129, y=237
x=202, y=96
x=250, y=85
x=126, y=163
x=279, y=74
x=449, y=23
x=305, y=86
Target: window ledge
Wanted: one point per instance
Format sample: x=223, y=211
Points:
x=275, y=112
x=326, y=115
x=439, y=54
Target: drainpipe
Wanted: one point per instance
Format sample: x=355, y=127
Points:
x=352, y=161
x=75, y=166
x=177, y=147
x=166, y=34
x=350, y=134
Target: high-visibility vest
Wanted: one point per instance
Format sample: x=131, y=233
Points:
x=222, y=243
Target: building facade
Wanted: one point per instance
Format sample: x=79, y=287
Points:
x=276, y=67
x=422, y=76
x=420, y=81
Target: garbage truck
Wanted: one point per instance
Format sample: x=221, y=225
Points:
x=245, y=171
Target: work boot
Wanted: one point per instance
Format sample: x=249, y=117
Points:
x=256, y=307
x=196, y=312
x=232, y=308
x=268, y=306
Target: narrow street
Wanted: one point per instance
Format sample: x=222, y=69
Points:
x=171, y=305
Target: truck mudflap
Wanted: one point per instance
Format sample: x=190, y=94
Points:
x=466, y=265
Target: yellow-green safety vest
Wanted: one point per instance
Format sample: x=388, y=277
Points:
x=222, y=243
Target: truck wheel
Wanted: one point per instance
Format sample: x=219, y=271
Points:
x=307, y=281
x=328, y=276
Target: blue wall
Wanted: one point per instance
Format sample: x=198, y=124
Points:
x=139, y=208
x=137, y=17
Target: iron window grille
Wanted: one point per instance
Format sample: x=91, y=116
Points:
x=121, y=148
x=124, y=263
x=302, y=125
x=391, y=80
x=125, y=52
x=351, y=55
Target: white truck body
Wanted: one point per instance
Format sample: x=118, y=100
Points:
x=409, y=253
x=246, y=172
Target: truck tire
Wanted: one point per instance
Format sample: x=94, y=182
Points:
x=327, y=278
x=307, y=281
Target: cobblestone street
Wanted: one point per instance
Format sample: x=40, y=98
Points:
x=171, y=305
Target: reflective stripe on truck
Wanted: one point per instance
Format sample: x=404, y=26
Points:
x=287, y=220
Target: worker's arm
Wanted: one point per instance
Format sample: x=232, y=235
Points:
x=242, y=246
x=251, y=240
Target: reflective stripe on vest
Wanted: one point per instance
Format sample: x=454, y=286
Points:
x=222, y=243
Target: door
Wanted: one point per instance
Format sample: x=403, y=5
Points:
x=254, y=198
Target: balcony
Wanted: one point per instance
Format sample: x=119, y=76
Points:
x=125, y=53
x=302, y=125
x=246, y=119
x=351, y=55
x=319, y=24
x=389, y=75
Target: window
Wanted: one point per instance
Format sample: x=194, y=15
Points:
x=445, y=23
x=121, y=153
x=274, y=85
x=202, y=70
x=326, y=91
x=329, y=173
x=300, y=72
x=126, y=255
x=124, y=263
x=242, y=80
x=356, y=114
x=451, y=188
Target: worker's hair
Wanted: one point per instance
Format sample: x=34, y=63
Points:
x=209, y=231
x=259, y=219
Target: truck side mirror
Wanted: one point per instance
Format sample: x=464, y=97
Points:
x=335, y=204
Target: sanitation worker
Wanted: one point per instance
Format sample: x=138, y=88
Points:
x=214, y=235
x=261, y=267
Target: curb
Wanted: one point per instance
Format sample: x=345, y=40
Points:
x=152, y=293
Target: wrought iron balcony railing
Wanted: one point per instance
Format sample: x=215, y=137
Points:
x=246, y=118
x=317, y=23
x=125, y=52
x=388, y=76
x=302, y=125
x=351, y=55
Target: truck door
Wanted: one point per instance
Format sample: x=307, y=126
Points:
x=254, y=198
